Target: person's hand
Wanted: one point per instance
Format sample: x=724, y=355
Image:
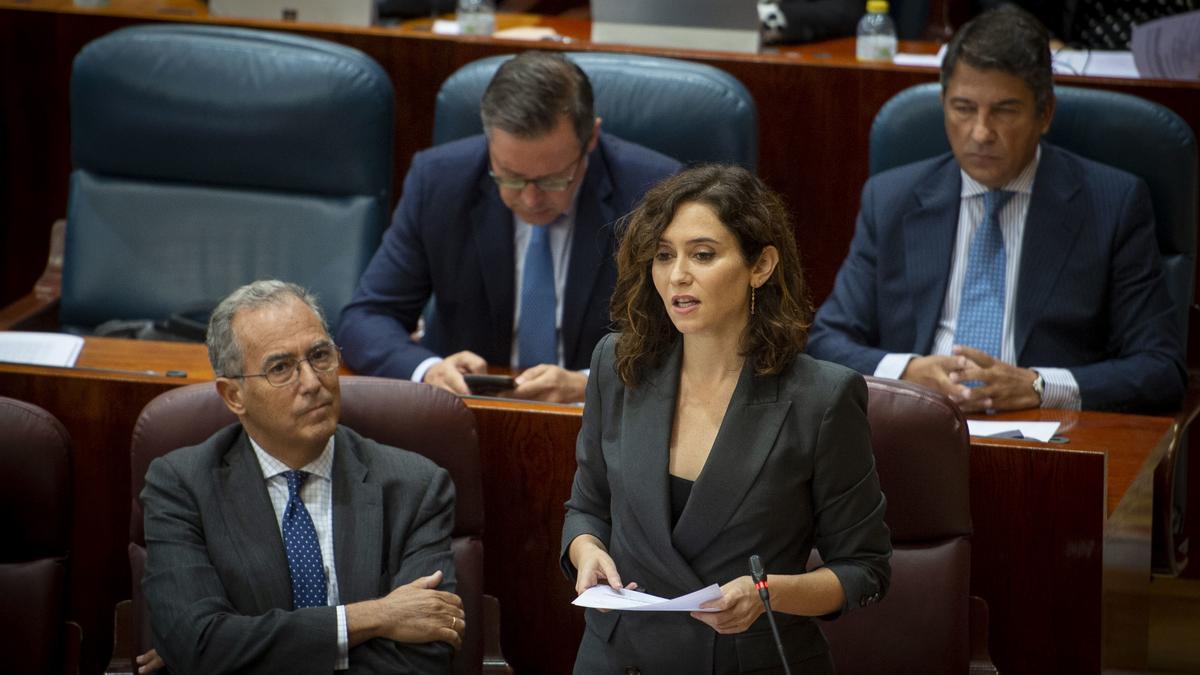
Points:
x=593, y=565
x=413, y=613
x=739, y=605
x=148, y=662
x=550, y=383
x=1004, y=386
x=448, y=373
x=936, y=373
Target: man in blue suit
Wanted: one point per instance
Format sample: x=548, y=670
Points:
x=1009, y=274
x=511, y=233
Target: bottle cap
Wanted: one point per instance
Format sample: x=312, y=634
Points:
x=877, y=6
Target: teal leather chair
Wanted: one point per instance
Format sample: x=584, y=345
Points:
x=207, y=157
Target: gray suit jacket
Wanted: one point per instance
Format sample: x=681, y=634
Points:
x=791, y=468
x=217, y=578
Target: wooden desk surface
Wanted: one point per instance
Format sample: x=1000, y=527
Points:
x=1127, y=441
x=1061, y=546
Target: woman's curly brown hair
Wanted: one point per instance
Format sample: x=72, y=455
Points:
x=778, y=329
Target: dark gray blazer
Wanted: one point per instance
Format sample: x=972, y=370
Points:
x=217, y=578
x=791, y=468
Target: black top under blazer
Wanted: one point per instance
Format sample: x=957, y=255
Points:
x=791, y=468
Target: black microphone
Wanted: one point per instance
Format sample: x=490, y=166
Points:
x=760, y=582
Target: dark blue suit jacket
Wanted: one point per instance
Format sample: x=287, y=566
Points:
x=1091, y=294
x=452, y=237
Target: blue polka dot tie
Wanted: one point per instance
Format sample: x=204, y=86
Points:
x=537, y=336
x=981, y=310
x=303, y=551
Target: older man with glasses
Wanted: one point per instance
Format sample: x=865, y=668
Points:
x=511, y=234
x=244, y=572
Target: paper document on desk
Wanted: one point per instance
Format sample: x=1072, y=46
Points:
x=532, y=33
x=923, y=60
x=40, y=349
x=1095, y=63
x=1039, y=431
x=604, y=597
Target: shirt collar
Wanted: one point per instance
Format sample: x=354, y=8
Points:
x=321, y=466
x=1023, y=183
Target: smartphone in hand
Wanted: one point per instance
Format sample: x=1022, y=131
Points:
x=489, y=385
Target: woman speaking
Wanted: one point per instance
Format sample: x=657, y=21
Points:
x=709, y=437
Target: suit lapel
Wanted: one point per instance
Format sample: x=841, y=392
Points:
x=744, y=441
x=645, y=446
x=357, y=523
x=929, y=232
x=247, y=511
x=492, y=228
x=1051, y=228
x=593, y=213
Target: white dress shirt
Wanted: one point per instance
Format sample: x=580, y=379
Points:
x=1061, y=389
x=317, y=495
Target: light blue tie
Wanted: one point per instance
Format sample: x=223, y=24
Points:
x=303, y=551
x=537, y=338
x=981, y=309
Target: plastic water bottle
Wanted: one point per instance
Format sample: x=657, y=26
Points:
x=476, y=17
x=876, y=34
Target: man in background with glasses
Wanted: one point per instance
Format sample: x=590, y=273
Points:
x=511, y=233
x=243, y=571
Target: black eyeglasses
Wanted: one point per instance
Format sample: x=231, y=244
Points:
x=543, y=184
x=323, y=359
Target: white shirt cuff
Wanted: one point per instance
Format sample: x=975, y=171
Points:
x=343, y=659
x=892, y=366
x=418, y=374
x=1061, y=390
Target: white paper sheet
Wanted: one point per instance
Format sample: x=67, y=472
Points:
x=604, y=597
x=445, y=27
x=925, y=60
x=532, y=33
x=1040, y=431
x=1095, y=63
x=40, y=349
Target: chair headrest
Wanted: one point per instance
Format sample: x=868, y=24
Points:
x=232, y=107
x=690, y=111
x=922, y=455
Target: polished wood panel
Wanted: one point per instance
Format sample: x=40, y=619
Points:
x=816, y=104
x=1061, y=543
x=528, y=463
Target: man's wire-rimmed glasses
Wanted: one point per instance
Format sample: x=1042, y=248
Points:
x=283, y=371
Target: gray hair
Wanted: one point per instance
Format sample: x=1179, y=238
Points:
x=530, y=93
x=224, y=352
